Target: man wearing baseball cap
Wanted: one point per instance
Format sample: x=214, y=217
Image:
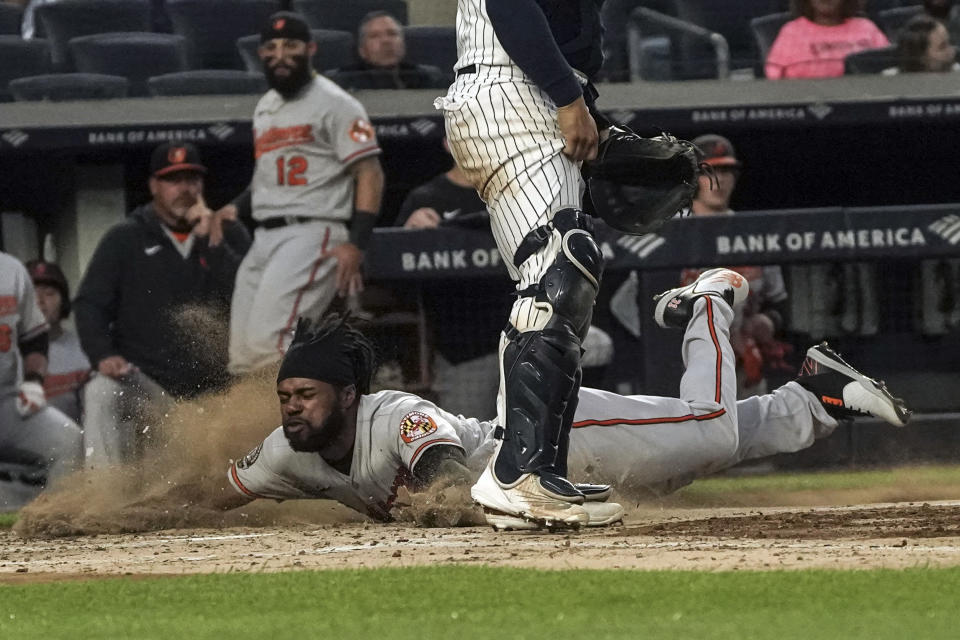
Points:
x=146, y=275
x=314, y=197
x=68, y=367
x=760, y=320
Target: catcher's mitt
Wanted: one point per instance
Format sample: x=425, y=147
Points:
x=637, y=183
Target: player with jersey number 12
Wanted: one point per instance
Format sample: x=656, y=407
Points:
x=314, y=197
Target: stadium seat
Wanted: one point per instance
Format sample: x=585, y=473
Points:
x=732, y=21
x=615, y=14
x=207, y=82
x=335, y=49
x=135, y=56
x=69, y=86
x=212, y=27
x=67, y=19
x=766, y=29
x=345, y=15
x=435, y=46
x=892, y=20
x=19, y=58
x=11, y=17
x=870, y=61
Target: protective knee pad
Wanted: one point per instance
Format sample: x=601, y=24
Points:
x=542, y=364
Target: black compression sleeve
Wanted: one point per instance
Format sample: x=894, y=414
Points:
x=525, y=34
x=38, y=344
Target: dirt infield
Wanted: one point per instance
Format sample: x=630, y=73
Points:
x=852, y=537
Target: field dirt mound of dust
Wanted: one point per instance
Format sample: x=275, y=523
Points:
x=900, y=521
x=732, y=539
x=190, y=452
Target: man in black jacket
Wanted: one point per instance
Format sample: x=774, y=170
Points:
x=152, y=303
x=381, y=48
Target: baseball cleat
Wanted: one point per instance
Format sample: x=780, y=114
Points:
x=594, y=492
x=845, y=392
x=675, y=306
x=526, y=499
x=601, y=514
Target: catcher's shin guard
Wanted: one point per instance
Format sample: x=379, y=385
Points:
x=541, y=363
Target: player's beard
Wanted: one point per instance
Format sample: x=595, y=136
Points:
x=313, y=438
x=288, y=86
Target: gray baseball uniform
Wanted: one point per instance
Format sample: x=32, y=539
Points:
x=303, y=147
x=46, y=438
x=639, y=442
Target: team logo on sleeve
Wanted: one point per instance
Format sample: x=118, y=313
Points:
x=247, y=461
x=361, y=131
x=416, y=425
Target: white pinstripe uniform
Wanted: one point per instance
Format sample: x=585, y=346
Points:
x=48, y=436
x=503, y=133
x=304, y=147
x=638, y=442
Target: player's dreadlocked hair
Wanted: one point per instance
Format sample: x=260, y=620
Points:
x=333, y=339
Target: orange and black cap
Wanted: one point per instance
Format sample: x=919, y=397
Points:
x=171, y=157
x=288, y=25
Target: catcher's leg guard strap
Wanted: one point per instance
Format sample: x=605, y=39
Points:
x=541, y=363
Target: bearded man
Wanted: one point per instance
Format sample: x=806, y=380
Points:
x=314, y=198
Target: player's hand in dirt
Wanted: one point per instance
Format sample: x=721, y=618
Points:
x=115, y=367
x=349, y=260
x=423, y=218
x=579, y=130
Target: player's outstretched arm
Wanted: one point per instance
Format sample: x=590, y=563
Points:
x=442, y=465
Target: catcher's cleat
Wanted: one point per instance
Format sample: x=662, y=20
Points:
x=527, y=499
x=594, y=492
x=845, y=392
x=602, y=514
x=675, y=306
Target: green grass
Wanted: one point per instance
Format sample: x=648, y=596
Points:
x=7, y=520
x=477, y=602
x=826, y=480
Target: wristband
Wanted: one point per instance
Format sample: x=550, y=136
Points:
x=361, y=228
x=33, y=376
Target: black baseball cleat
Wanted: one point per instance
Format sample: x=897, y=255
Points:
x=594, y=492
x=845, y=392
x=675, y=306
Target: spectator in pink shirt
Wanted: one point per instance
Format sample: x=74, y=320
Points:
x=814, y=44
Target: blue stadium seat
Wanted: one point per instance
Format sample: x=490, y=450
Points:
x=67, y=19
x=431, y=45
x=335, y=49
x=345, y=15
x=212, y=27
x=207, y=82
x=766, y=29
x=732, y=21
x=135, y=56
x=11, y=17
x=69, y=86
x=19, y=58
x=892, y=20
x=870, y=61
x=615, y=15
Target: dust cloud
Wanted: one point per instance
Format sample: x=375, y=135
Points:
x=185, y=457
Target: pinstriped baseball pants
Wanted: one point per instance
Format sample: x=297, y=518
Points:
x=503, y=133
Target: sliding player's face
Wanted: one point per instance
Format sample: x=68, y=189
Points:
x=313, y=415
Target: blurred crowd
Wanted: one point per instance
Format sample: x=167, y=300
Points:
x=75, y=49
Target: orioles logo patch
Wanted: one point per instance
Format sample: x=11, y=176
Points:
x=279, y=23
x=416, y=425
x=247, y=461
x=177, y=155
x=361, y=131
